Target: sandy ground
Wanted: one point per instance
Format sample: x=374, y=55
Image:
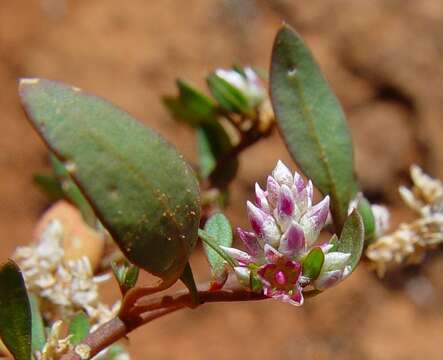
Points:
x=383, y=58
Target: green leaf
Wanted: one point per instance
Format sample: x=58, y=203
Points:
x=126, y=275
x=15, y=312
x=228, y=96
x=351, y=239
x=214, y=145
x=140, y=187
x=72, y=192
x=191, y=106
x=212, y=243
x=364, y=208
x=313, y=263
x=219, y=228
x=50, y=186
x=78, y=328
x=188, y=279
x=311, y=121
x=38, y=327
x=114, y=351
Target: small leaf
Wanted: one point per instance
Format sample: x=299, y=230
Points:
x=78, y=328
x=311, y=121
x=313, y=263
x=228, y=96
x=140, y=187
x=38, y=327
x=351, y=239
x=188, y=279
x=72, y=192
x=15, y=312
x=50, y=186
x=126, y=275
x=219, y=228
x=191, y=106
x=364, y=208
x=214, y=145
x=114, y=351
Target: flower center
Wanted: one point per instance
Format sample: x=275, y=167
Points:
x=281, y=275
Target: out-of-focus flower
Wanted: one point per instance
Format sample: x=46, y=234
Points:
x=62, y=286
x=247, y=82
x=285, y=228
x=410, y=241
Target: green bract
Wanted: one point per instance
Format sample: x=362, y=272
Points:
x=140, y=188
x=311, y=121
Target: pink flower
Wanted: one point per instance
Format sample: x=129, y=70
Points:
x=285, y=228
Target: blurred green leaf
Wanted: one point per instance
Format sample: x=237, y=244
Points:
x=50, y=186
x=78, y=328
x=219, y=227
x=311, y=121
x=191, y=106
x=351, y=239
x=140, y=187
x=15, y=312
x=228, y=96
x=313, y=263
x=364, y=208
x=72, y=192
x=126, y=275
x=214, y=145
x=38, y=327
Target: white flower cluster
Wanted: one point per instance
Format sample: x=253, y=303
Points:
x=63, y=287
x=410, y=241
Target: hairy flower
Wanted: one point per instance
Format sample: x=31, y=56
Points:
x=62, y=286
x=285, y=228
x=410, y=241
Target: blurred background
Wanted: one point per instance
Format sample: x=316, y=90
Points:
x=383, y=59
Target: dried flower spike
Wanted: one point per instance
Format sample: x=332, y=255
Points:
x=286, y=226
x=410, y=241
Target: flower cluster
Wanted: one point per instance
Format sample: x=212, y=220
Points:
x=62, y=286
x=409, y=242
x=285, y=230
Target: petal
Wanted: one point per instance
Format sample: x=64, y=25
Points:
x=314, y=220
x=285, y=203
x=282, y=174
x=271, y=233
x=271, y=254
x=237, y=254
x=293, y=241
x=297, y=297
x=272, y=189
x=335, y=261
x=263, y=276
x=328, y=279
x=299, y=183
x=243, y=275
x=249, y=240
x=260, y=199
x=256, y=218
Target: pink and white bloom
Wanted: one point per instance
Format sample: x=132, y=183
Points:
x=285, y=228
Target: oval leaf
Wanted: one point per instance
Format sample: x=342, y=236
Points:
x=313, y=263
x=15, y=312
x=219, y=228
x=311, y=121
x=352, y=239
x=141, y=189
